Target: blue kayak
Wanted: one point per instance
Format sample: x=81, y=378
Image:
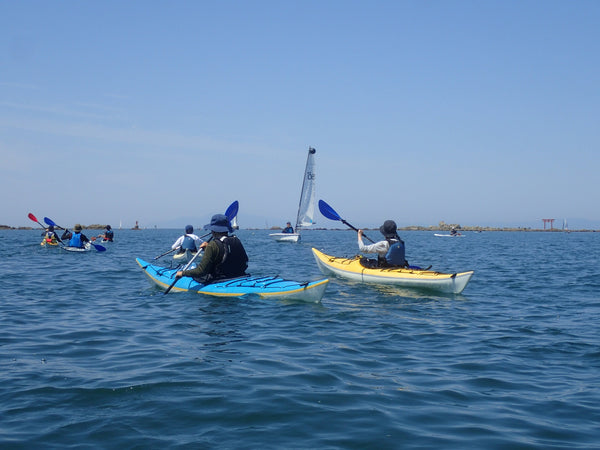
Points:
x=265, y=286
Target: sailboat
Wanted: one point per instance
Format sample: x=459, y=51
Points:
x=306, y=207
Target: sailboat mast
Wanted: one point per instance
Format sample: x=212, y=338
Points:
x=311, y=151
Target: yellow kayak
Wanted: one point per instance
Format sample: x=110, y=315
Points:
x=350, y=268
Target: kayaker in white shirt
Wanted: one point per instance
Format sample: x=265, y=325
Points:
x=390, y=252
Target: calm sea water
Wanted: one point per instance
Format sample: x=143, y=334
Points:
x=91, y=355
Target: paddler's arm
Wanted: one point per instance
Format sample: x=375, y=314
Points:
x=378, y=247
x=211, y=253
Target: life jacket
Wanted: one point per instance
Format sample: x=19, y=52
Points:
x=109, y=235
x=234, y=261
x=396, y=254
x=51, y=237
x=76, y=241
x=188, y=244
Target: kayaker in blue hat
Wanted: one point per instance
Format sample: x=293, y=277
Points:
x=224, y=255
x=188, y=241
x=390, y=252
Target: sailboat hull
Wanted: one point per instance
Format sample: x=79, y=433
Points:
x=285, y=237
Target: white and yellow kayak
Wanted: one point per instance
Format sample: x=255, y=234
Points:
x=185, y=256
x=285, y=237
x=350, y=268
x=46, y=243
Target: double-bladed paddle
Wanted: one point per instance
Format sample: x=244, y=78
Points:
x=330, y=213
x=32, y=217
x=98, y=247
x=230, y=213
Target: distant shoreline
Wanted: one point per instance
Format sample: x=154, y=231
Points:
x=459, y=230
x=470, y=229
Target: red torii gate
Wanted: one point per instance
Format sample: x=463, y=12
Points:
x=550, y=221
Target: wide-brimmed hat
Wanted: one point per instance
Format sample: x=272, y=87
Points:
x=77, y=227
x=388, y=229
x=219, y=223
x=189, y=229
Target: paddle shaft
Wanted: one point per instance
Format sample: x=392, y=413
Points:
x=356, y=229
x=32, y=217
x=185, y=268
x=166, y=253
x=331, y=214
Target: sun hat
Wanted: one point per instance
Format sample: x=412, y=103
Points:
x=388, y=229
x=219, y=223
x=189, y=229
x=77, y=227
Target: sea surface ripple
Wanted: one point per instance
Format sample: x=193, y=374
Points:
x=93, y=356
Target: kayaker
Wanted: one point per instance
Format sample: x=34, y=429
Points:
x=78, y=239
x=50, y=236
x=109, y=234
x=224, y=255
x=390, y=252
x=188, y=241
x=288, y=228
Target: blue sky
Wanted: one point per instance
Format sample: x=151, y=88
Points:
x=469, y=112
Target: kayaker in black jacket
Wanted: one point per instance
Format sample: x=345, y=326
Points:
x=224, y=255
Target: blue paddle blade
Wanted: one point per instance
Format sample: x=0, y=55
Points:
x=328, y=211
x=232, y=210
x=49, y=222
x=100, y=248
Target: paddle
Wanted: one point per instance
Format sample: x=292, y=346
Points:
x=165, y=253
x=231, y=212
x=98, y=247
x=32, y=217
x=330, y=213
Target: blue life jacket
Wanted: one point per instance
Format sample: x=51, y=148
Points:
x=396, y=255
x=189, y=244
x=76, y=241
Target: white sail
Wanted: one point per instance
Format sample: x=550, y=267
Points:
x=234, y=223
x=306, y=208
